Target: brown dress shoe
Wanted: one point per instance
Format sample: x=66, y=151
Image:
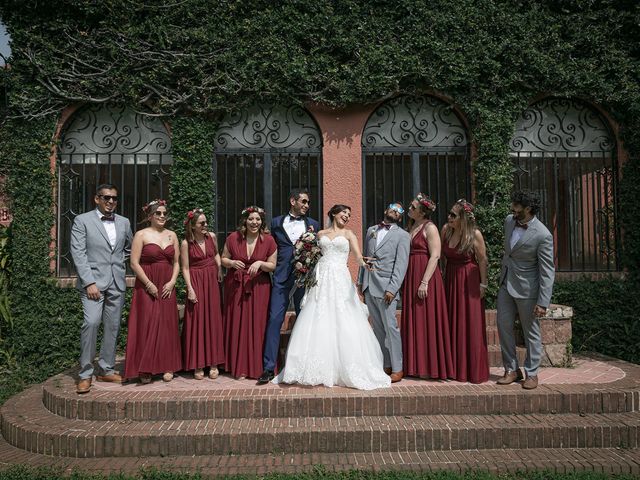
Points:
x=84, y=385
x=530, y=383
x=510, y=377
x=112, y=378
x=396, y=376
x=387, y=370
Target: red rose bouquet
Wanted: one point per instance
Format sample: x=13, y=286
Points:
x=305, y=257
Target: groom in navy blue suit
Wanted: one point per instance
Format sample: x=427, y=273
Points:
x=286, y=229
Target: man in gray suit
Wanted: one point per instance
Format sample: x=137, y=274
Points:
x=100, y=242
x=386, y=250
x=526, y=282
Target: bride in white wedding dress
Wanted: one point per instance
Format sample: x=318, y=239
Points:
x=332, y=342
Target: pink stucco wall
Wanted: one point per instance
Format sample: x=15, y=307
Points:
x=342, y=160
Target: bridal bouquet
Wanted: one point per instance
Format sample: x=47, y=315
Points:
x=305, y=257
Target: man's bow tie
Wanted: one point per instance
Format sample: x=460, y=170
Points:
x=107, y=218
x=293, y=218
x=523, y=226
x=386, y=226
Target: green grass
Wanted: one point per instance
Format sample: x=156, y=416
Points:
x=319, y=473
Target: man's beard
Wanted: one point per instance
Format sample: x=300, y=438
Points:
x=389, y=220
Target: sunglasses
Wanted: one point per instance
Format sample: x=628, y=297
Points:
x=396, y=208
x=108, y=198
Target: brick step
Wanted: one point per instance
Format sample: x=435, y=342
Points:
x=429, y=398
x=26, y=424
x=502, y=461
x=495, y=355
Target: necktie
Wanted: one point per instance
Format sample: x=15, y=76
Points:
x=107, y=218
x=523, y=226
x=386, y=226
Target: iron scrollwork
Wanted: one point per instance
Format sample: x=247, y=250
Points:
x=110, y=129
x=410, y=121
x=269, y=126
x=558, y=124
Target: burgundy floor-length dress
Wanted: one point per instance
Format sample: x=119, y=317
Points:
x=466, y=316
x=153, y=340
x=424, y=324
x=246, y=307
x=202, y=332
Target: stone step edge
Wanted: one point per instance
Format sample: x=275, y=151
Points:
x=42, y=432
x=605, y=460
x=410, y=401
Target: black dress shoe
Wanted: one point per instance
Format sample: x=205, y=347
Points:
x=266, y=377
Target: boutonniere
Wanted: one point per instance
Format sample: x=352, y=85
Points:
x=310, y=229
x=374, y=234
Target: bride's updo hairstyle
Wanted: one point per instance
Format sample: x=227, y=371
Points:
x=336, y=209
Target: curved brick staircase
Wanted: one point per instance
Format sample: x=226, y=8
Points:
x=584, y=418
x=227, y=426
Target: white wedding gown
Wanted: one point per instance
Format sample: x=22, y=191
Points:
x=332, y=342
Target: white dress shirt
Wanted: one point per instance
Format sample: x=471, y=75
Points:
x=380, y=234
x=517, y=233
x=294, y=228
x=109, y=226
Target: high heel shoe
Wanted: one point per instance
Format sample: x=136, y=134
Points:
x=198, y=374
x=167, y=377
x=213, y=373
x=145, y=378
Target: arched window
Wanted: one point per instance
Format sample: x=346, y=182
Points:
x=109, y=144
x=410, y=145
x=564, y=150
x=260, y=155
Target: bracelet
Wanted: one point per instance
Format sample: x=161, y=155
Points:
x=423, y=282
x=483, y=285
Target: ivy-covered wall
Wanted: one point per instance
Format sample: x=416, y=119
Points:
x=195, y=60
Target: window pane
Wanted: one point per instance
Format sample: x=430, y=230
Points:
x=107, y=144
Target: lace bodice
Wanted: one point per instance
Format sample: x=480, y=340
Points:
x=332, y=342
x=334, y=251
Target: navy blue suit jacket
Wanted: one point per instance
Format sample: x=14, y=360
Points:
x=284, y=267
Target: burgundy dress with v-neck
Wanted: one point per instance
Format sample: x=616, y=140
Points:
x=466, y=313
x=153, y=339
x=246, y=306
x=424, y=323
x=202, y=332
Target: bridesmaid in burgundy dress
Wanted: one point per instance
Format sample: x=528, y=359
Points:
x=249, y=255
x=202, y=340
x=424, y=327
x=465, y=285
x=153, y=340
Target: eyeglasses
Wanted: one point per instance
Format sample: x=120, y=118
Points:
x=452, y=215
x=108, y=198
x=160, y=214
x=396, y=208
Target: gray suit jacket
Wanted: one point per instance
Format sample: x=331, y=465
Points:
x=95, y=260
x=527, y=269
x=392, y=259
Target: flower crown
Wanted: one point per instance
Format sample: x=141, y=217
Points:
x=193, y=213
x=467, y=207
x=252, y=209
x=157, y=201
x=426, y=201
